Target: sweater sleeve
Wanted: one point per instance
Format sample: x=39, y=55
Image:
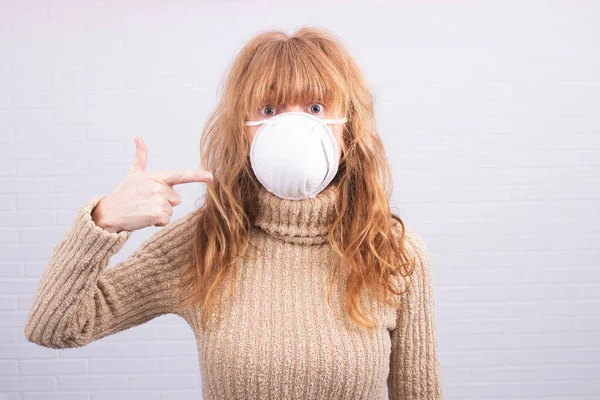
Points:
x=414, y=363
x=80, y=300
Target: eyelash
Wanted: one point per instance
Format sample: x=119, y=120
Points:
x=312, y=104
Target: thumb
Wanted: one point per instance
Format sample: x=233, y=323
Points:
x=141, y=155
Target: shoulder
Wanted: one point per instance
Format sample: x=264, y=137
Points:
x=413, y=242
x=414, y=245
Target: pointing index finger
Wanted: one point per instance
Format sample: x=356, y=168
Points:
x=177, y=177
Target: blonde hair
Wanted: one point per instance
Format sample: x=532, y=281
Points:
x=275, y=68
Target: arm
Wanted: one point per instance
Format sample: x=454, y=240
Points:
x=414, y=364
x=80, y=300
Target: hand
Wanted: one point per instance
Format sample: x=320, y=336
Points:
x=143, y=198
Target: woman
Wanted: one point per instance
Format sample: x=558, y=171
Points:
x=295, y=276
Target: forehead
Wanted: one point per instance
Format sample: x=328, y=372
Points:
x=290, y=94
x=292, y=75
x=294, y=96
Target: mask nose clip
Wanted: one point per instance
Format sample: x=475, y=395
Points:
x=334, y=121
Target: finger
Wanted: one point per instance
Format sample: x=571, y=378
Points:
x=163, y=220
x=168, y=192
x=172, y=196
x=141, y=155
x=177, y=177
x=164, y=212
x=167, y=207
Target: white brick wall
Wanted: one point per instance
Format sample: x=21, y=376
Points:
x=490, y=113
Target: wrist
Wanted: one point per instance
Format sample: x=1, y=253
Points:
x=100, y=220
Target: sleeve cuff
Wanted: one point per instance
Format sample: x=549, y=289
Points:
x=92, y=239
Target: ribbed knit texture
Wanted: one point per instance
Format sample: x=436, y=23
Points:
x=276, y=337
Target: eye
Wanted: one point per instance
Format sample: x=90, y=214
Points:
x=268, y=110
x=316, y=108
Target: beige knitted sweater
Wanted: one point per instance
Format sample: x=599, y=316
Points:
x=276, y=337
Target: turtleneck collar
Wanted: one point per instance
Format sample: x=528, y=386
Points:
x=303, y=221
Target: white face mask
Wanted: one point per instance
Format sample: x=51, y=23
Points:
x=294, y=155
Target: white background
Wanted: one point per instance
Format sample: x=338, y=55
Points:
x=490, y=114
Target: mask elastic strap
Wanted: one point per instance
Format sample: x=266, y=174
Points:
x=255, y=123
x=326, y=121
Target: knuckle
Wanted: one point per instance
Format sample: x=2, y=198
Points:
x=156, y=211
x=161, y=220
x=160, y=184
x=163, y=202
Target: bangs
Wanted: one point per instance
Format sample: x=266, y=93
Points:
x=293, y=72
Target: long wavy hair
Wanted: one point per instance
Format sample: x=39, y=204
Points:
x=276, y=68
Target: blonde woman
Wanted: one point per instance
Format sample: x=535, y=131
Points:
x=297, y=279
